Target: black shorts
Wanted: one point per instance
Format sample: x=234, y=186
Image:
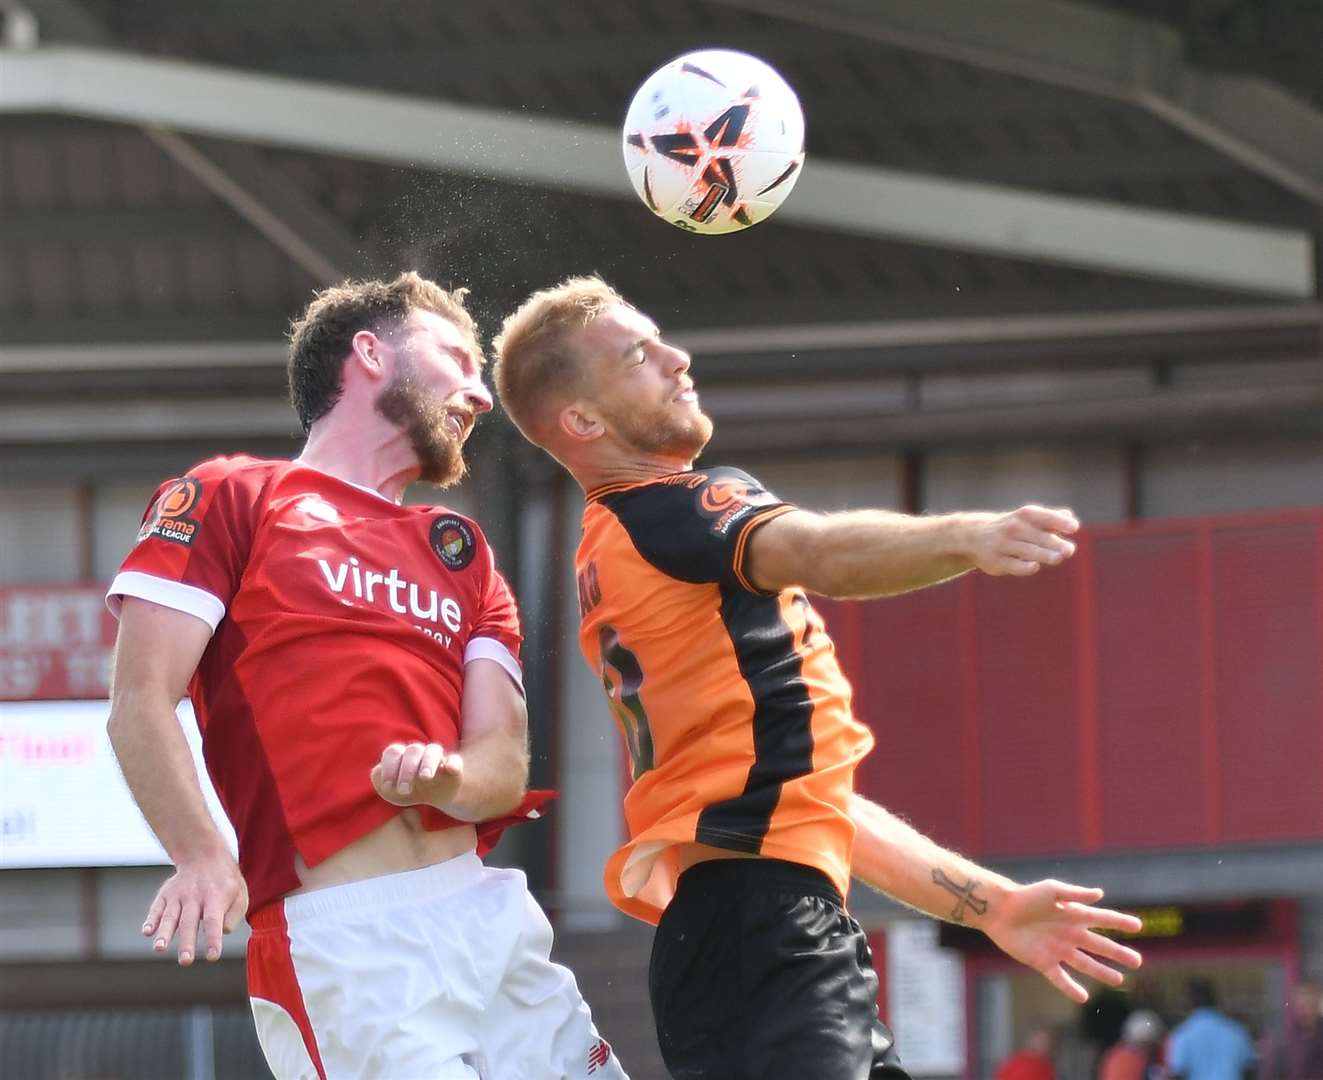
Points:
x=758, y=973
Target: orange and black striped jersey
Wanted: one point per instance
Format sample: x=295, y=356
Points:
x=734, y=709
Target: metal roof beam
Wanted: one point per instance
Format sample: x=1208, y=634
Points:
x=265, y=197
x=1160, y=414
x=1202, y=332
x=1099, y=51
x=867, y=200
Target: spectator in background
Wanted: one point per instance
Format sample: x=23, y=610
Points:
x=1033, y=1061
x=1207, y=1044
x=1135, y=1056
x=1304, y=1035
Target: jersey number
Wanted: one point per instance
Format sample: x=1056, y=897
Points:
x=622, y=677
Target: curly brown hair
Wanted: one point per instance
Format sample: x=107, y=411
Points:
x=320, y=340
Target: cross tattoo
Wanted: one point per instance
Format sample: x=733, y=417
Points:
x=964, y=895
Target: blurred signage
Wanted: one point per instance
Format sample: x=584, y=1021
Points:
x=63, y=801
x=1205, y=922
x=55, y=642
x=925, y=999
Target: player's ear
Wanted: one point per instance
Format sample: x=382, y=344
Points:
x=367, y=352
x=579, y=423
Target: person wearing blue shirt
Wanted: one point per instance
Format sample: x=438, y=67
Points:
x=1207, y=1044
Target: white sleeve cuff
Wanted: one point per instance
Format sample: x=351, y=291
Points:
x=172, y=594
x=485, y=648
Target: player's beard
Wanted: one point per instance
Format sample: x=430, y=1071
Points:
x=423, y=417
x=666, y=433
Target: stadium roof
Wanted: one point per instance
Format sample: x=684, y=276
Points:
x=1029, y=182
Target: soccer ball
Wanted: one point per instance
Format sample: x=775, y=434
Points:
x=714, y=141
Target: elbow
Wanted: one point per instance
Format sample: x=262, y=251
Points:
x=511, y=799
x=516, y=787
x=502, y=791
x=116, y=725
x=508, y=793
x=497, y=802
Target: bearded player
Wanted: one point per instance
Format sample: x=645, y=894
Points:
x=744, y=829
x=354, y=667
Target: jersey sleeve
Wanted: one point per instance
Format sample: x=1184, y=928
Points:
x=193, y=545
x=496, y=634
x=698, y=530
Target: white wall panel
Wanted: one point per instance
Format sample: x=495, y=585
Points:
x=117, y=510
x=1203, y=478
x=834, y=483
x=1090, y=481
x=589, y=818
x=39, y=534
x=40, y=913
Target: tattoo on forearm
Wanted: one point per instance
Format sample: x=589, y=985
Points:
x=964, y=895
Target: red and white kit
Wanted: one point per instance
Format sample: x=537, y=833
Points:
x=341, y=623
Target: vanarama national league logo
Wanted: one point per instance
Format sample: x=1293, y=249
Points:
x=720, y=495
x=724, y=500
x=169, y=518
x=453, y=541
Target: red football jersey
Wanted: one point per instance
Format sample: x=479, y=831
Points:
x=341, y=623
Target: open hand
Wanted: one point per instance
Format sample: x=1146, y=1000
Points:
x=414, y=774
x=207, y=892
x=1021, y=542
x=1051, y=926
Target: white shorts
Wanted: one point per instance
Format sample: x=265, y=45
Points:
x=432, y=974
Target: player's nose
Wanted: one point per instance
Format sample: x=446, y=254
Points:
x=680, y=360
x=477, y=397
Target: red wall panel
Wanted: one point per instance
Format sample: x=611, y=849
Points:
x=1028, y=707
x=903, y=658
x=1160, y=690
x=1148, y=642
x=1266, y=679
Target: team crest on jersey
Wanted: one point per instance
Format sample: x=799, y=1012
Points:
x=453, y=541
x=169, y=518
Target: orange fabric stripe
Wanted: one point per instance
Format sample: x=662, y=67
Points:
x=625, y=485
x=743, y=542
x=673, y=669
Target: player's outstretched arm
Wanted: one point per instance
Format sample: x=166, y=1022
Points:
x=1049, y=925
x=869, y=553
x=488, y=775
x=156, y=653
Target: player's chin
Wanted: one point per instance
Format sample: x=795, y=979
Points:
x=696, y=434
x=445, y=467
x=446, y=477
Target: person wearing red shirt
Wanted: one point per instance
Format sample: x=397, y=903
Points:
x=353, y=663
x=1135, y=1055
x=1033, y=1061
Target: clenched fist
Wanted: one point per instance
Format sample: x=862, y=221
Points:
x=1021, y=542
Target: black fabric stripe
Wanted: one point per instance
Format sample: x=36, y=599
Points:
x=782, y=721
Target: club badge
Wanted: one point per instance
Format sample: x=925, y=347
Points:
x=453, y=541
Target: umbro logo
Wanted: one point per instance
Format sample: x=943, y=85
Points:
x=598, y=1056
x=317, y=507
